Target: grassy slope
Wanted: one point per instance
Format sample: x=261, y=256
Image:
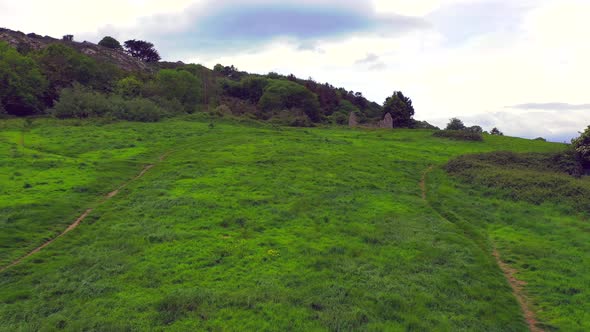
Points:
x=244, y=227
x=547, y=243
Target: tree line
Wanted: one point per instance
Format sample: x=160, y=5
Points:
x=61, y=81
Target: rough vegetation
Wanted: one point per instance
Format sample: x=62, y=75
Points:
x=242, y=223
x=460, y=135
x=233, y=231
x=134, y=71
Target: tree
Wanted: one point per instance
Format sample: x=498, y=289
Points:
x=581, y=147
x=129, y=87
x=496, y=132
x=110, y=42
x=401, y=109
x=63, y=65
x=218, y=68
x=250, y=88
x=282, y=94
x=22, y=84
x=142, y=50
x=455, y=124
x=178, y=85
x=475, y=129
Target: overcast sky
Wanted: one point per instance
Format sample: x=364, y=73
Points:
x=521, y=65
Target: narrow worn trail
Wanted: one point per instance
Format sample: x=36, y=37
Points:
x=81, y=218
x=423, y=182
x=509, y=273
x=518, y=291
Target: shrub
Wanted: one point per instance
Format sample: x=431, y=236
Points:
x=176, y=84
x=581, y=146
x=474, y=129
x=22, y=84
x=138, y=109
x=110, y=42
x=78, y=102
x=250, y=88
x=423, y=125
x=287, y=95
x=532, y=177
x=495, y=131
x=459, y=135
x=342, y=113
x=129, y=87
x=293, y=118
x=63, y=65
x=455, y=124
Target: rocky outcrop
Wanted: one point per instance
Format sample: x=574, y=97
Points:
x=33, y=42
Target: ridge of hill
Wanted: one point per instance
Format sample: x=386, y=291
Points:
x=33, y=41
x=56, y=65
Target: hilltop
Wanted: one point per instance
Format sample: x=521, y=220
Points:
x=162, y=89
x=33, y=42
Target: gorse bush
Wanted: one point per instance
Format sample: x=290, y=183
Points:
x=531, y=177
x=78, y=102
x=459, y=135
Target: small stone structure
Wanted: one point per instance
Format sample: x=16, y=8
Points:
x=387, y=122
x=353, y=120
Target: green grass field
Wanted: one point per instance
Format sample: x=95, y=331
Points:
x=246, y=226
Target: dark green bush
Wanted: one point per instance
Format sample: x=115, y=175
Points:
x=286, y=95
x=21, y=83
x=581, y=146
x=532, y=177
x=460, y=135
x=110, y=42
x=180, y=85
x=78, y=102
x=250, y=88
x=63, y=66
x=292, y=117
x=455, y=124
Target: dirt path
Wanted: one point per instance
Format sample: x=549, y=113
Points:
x=423, y=182
x=85, y=214
x=517, y=290
x=509, y=273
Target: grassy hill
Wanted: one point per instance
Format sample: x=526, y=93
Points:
x=249, y=226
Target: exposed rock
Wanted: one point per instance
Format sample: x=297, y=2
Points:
x=352, y=120
x=35, y=42
x=387, y=122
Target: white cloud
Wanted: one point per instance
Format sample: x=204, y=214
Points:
x=411, y=7
x=59, y=17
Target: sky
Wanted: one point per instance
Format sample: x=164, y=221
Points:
x=520, y=65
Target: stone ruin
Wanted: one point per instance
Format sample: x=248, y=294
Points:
x=387, y=122
x=353, y=120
